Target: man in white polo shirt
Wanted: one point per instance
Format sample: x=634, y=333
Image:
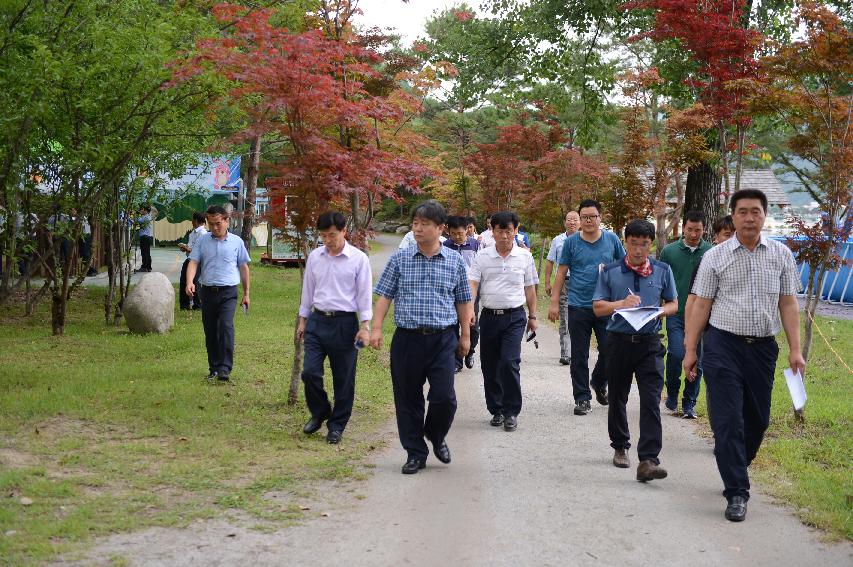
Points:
x=506, y=278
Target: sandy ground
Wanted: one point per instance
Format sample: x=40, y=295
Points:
x=546, y=494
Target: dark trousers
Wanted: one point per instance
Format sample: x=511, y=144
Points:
x=674, y=361
x=182, y=291
x=84, y=249
x=582, y=323
x=500, y=359
x=416, y=359
x=333, y=337
x=475, y=333
x=145, y=243
x=218, y=305
x=739, y=380
x=644, y=360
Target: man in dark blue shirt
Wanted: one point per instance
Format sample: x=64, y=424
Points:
x=632, y=282
x=467, y=246
x=429, y=286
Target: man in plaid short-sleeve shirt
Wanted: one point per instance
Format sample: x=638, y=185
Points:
x=742, y=287
x=429, y=286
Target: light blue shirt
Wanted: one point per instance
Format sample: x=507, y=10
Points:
x=583, y=259
x=616, y=279
x=219, y=260
x=146, y=225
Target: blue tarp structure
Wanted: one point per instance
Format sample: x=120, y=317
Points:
x=838, y=284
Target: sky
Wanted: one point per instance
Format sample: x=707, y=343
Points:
x=408, y=19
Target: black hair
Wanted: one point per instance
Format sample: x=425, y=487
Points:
x=198, y=217
x=331, y=218
x=457, y=222
x=639, y=228
x=470, y=220
x=216, y=210
x=749, y=194
x=723, y=223
x=695, y=216
x=146, y=208
x=503, y=219
x=521, y=228
x=431, y=210
x=589, y=203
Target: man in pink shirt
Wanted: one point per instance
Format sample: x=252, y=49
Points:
x=334, y=317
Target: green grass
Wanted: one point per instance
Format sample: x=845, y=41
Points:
x=106, y=431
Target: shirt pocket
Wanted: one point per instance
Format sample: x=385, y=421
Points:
x=770, y=277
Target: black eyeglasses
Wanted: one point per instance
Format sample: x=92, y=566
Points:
x=531, y=336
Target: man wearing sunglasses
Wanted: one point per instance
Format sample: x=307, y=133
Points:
x=506, y=278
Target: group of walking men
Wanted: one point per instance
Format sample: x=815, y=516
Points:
x=742, y=286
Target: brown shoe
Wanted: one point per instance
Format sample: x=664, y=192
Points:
x=620, y=459
x=648, y=470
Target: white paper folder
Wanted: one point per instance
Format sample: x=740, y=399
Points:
x=796, y=387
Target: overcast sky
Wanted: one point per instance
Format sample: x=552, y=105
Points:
x=407, y=19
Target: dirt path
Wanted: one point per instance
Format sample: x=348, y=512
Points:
x=543, y=495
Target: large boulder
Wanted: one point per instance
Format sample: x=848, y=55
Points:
x=150, y=306
x=402, y=229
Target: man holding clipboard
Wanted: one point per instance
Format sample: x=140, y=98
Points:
x=635, y=281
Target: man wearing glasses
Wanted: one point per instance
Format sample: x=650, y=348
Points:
x=506, y=278
x=583, y=255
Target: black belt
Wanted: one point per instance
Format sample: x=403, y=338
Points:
x=333, y=313
x=748, y=339
x=427, y=330
x=488, y=311
x=641, y=338
x=218, y=288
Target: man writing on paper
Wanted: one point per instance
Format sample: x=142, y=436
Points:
x=634, y=281
x=742, y=287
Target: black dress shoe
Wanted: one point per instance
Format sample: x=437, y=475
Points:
x=223, y=377
x=565, y=361
x=314, y=424
x=510, y=423
x=334, y=437
x=601, y=396
x=497, y=420
x=442, y=451
x=469, y=360
x=413, y=465
x=213, y=375
x=736, y=510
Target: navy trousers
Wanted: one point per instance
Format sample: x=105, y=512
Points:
x=218, y=305
x=739, y=379
x=582, y=323
x=145, y=243
x=333, y=337
x=500, y=359
x=644, y=360
x=475, y=333
x=183, y=298
x=416, y=359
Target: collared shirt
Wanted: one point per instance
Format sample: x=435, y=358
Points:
x=683, y=260
x=616, y=278
x=194, y=236
x=583, y=259
x=556, y=248
x=468, y=249
x=146, y=225
x=425, y=290
x=337, y=283
x=502, y=280
x=745, y=286
x=487, y=239
x=219, y=260
x=409, y=240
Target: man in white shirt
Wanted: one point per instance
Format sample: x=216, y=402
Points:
x=486, y=238
x=409, y=240
x=506, y=278
x=571, y=222
x=186, y=301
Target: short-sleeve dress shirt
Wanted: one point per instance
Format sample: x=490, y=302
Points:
x=219, y=260
x=425, y=290
x=746, y=286
x=502, y=280
x=194, y=236
x=615, y=280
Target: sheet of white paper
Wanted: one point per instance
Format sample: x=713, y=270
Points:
x=796, y=387
x=637, y=317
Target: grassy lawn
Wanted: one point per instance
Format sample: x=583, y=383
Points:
x=104, y=431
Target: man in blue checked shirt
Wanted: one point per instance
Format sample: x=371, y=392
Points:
x=428, y=283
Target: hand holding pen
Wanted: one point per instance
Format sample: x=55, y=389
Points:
x=631, y=300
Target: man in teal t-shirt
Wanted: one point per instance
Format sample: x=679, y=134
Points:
x=582, y=257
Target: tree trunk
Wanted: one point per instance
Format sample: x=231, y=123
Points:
x=702, y=194
x=251, y=191
x=812, y=300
